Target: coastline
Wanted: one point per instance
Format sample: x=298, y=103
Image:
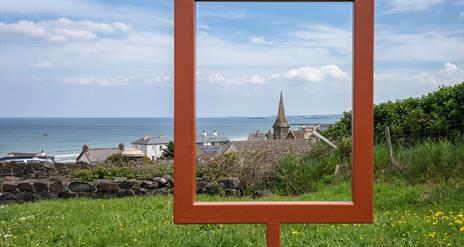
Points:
x=64, y=137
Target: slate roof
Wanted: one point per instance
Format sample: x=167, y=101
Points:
x=212, y=138
x=298, y=134
x=272, y=148
x=97, y=155
x=211, y=150
x=150, y=140
x=133, y=153
x=258, y=136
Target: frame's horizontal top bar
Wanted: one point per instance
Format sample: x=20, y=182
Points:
x=282, y=1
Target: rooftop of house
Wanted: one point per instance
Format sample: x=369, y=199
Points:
x=211, y=150
x=215, y=137
x=260, y=136
x=275, y=147
x=150, y=140
x=96, y=155
x=133, y=153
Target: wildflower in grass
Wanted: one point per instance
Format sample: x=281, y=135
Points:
x=432, y=234
x=293, y=231
x=461, y=229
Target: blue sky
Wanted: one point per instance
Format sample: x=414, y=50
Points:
x=88, y=58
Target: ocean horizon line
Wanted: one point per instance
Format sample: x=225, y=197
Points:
x=164, y=117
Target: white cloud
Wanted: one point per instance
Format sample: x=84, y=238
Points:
x=260, y=41
x=320, y=35
x=157, y=16
x=43, y=65
x=257, y=80
x=204, y=11
x=450, y=69
x=311, y=74
x=396, y=6
x=98, y=81
x=63, y=29
x=422, y=46
x=222, y=80
x=397, y=85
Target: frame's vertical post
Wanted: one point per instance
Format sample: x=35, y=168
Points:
x=363, y=106
x=273, y=235
x=184, y=106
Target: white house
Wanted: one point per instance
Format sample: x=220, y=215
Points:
x=152, y=147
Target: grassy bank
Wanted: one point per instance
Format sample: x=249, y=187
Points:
x=405, y=215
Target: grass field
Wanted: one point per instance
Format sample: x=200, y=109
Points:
x=405, y=215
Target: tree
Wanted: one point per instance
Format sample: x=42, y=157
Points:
x=168, y=151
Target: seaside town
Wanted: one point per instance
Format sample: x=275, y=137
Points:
x=283, y=138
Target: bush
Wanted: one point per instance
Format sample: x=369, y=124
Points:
x=437, y=115
x=133, y=170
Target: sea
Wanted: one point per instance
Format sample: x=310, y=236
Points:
x=64, y=137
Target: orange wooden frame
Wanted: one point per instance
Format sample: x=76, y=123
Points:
x=188, y=211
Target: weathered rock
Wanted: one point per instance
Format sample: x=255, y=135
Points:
x=169, y=180
x=262, y=193
x=8, y=197
x=229, y=183
x=25, y=186
x=56, y=186
x=210, y=188
x=80, y=186
x=162, y=191
x=149, y=185
x=10, y=178
x=40, y=186
x=9, y=187
x=27, y=196
x=231, y=192
x=108, y=186
x=119, y=179
x=124, y=193
x=66, y=194
x=162, y=181
x=141, y=192
x=128, y=184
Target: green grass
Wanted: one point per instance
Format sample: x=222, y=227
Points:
x=405, y=215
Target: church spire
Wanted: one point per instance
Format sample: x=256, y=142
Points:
x=281, y=126
x=281, y=120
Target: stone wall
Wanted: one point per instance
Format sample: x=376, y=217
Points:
x=28, y=182
x=15, y=189
x=38, y=170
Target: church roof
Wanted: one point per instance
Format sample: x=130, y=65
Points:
x=281, y=120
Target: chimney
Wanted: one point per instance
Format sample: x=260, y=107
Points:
x=214, y=133
x=85, y=148
x=121, y=146
x=161, y=136
x=146, y=138
x=204, y=133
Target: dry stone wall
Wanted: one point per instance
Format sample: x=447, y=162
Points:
x=30, y=182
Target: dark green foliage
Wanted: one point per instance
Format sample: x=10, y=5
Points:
x=437, y=115
x=168, y=151
x=297, y=174
x=115, y=158
x=130, y=170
